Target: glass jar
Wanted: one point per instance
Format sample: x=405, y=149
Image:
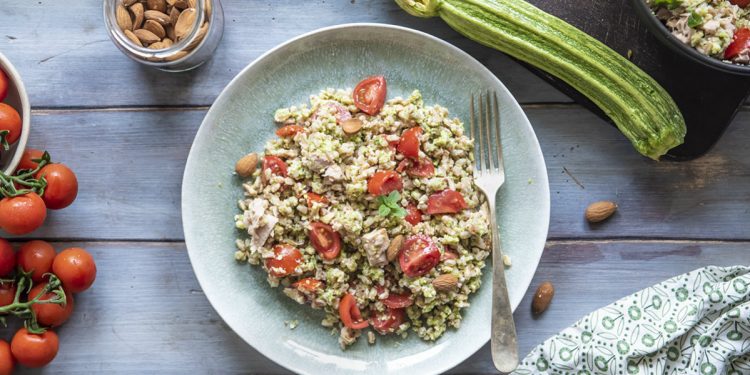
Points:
x=171, y=35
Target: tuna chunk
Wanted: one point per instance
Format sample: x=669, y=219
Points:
x=259, y=222
x=375, y=244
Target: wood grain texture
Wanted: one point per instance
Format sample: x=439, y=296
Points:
x=130, y=168
x=146, y=312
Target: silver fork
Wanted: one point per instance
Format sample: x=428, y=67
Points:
x=490, y=174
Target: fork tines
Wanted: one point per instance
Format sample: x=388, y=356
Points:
x=488, y=151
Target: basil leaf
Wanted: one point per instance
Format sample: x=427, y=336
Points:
x=399, y=212
x=383, y=210
x=694, y=20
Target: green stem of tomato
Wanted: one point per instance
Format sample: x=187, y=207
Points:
x=4, y=140
x=23, y=309
x=25, y=179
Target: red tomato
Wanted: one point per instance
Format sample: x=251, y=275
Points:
x=7, y=293
x=421, y=168
x=740, y=3
x=325, y=240
x=740, y=43
x=22, y=214
x=289, y=131
x=7, y=258
x=6, y=357
x=445, y=202
x=285, y=260
x=419, y=254
x=409, y=143
x=33, y=350
x=449, y=254
x=50, y=314
x=384, y=182
x=312, y=197
x=3, y=85
x=388, y=321
x=10, y=121
x=36, y=257
x=76, y=269
x=398, y=300
x=275, y=164
x=413, y=215
x=369, y=95
x=403, y=165
x=62, y=186
x=349, y=313
x=26, y=159
x=308, y=285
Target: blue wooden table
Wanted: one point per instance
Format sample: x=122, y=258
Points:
x=126, y=130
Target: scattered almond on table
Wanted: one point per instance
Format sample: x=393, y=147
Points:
x=600, y=211
x=542, y=298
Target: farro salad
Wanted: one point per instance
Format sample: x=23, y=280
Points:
x=717, y=28
x=367, y=209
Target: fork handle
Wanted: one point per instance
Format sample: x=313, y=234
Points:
x=503, y=340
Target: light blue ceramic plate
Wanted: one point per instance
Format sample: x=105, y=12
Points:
x=240, y=121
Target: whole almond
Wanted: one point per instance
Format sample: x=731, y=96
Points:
x=128, y=3
x=157, y=16
x=194, y=3
x=247, y=165
x=155, y=28
x=146, y=37
x=133, y=38
x=198, y=36
x=445, y=282
x=170, y=33
x=185, y=23
x=394, y=248
x=174, y=13
x=179, y=4
x=167, y=42
x=351, y=126
x=160, y=5
x=600, y=211
x=542, y=298
x=176, y=56
x=157, y=45
x=138, y=15
x=124, y=22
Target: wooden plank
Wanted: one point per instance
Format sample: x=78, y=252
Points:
x=130, y=170
x=146, y=312
x=66, y=58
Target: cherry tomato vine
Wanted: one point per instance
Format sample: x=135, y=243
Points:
x=23, y=309
x=24, y=181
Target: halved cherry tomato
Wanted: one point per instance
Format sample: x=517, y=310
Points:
x=7, y=361
x=388, y=321
x=403, y=165
x=32, y=350
x=384, y=182
x=289, y=131
x=10, y=121
x=76, y=269
x=445, y=202
x=740, y=43
x=313, y=197
x=62, y=186
x=369, y=95
x=22, y=214
x=27, y=158
x=449, y=254
x=308, y=285
x=285, y=260
x=419, y=254
x=409, y=143
x=36, y=257
x=3, y=85
x=51, y=314
x=7, y=294
x=398, y=300
x=349, y=313
x=421, y=168
x=413, y=214
x=275, y=164
x=740, y=3
x=7, y=258
x=325, y=240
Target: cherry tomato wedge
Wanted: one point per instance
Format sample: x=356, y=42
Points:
x=10, y=121
x=445, y=202
x=408, y=145
x=7, y=362
x=289, y=131
x=369, y=95
x=740, y=3
x=36, y=257
x=7, y=258
x=32, y=350
x=419, y=254
x=22, y=214
x=413, y=214
x=308, y=285
x=313, y=197
x=421, y=168
x=285, y=260
x=275, y=164
x=349, y=313
x=62, y=186
x=3, y=85
x=450, y=254
x=27, y=158
x=740, y=43
x=325, y=240
x=388, y=321
x=51, y=314
x=384, y=182
x=7, y=294
x=398, y=300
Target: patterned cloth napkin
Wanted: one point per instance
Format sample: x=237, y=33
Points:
x=696, y=323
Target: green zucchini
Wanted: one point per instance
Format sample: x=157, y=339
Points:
x=642, y=110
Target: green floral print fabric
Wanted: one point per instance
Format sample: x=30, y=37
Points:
x=696, y=323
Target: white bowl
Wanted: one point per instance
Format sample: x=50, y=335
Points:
x=17, y=99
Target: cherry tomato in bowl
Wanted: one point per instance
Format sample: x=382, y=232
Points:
x=325, y=240
x=50, y=314
x=275, y=164
x=285, y=260
x=308, y=285
x=22, y=214
x=315, y=198
x=740, y=3
x=62, y=186
x=388, y=321
x=413, y=214
x=27, y=159
x=289, y=131
x=384, y=182
x=369, y=95
x=75, y=268
x=32, y=350
x=10, y=122
x=36, y=257
x=419, y=255
x=740, y=43
x=3, y=85
x=350, y=314
x=7, y=258
x=408, y=145
x=398, y=300
x=446, y=202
